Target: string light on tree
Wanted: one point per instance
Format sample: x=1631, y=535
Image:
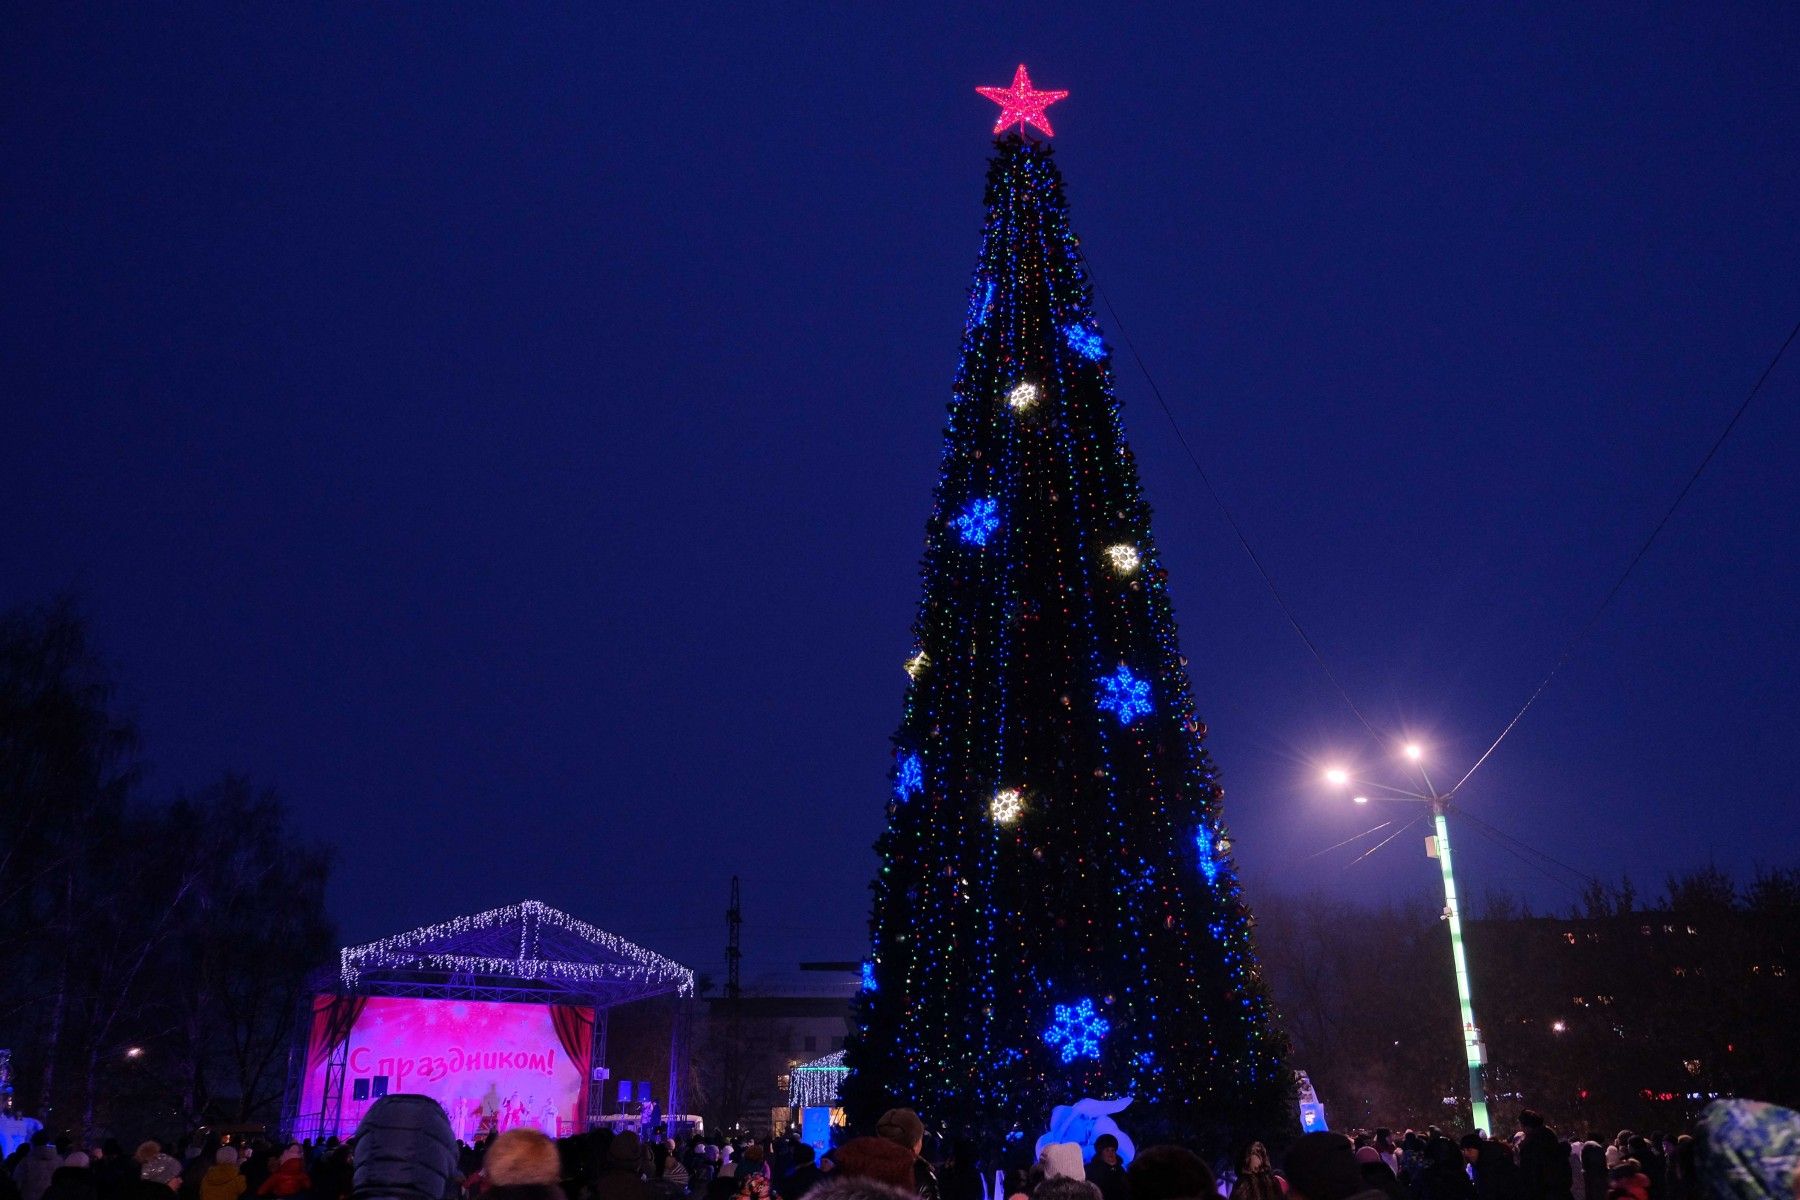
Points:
x=1007, y=806
x=981, y=302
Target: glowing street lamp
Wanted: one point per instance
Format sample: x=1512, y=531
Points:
x=1474, y=1052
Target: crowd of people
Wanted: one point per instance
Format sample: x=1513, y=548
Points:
x=404, y=1149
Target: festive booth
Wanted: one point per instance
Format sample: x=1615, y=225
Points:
x=501, y=1017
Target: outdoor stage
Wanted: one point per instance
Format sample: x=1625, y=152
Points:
x=501, y=1017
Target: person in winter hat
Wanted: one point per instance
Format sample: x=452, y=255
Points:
x=875, y=1158
x=1106, y=1170
x=1065, y=1187
x=1748, y=1150
x=1377, y=1175
x=1170, y=1173
x=113, y=1169
x=333, y=1171
x=1491, y=1161
x=622, y=1178
x=1322, y=1166
x=1445, y=1175
x=223, y=1180
x=902, y=1125
x=674, y=1171
x=1627, y=1181
x=1256, y=1175
x=405, y=1150
x=33, y=1172
x=1544, y=1172
x=522, y=1164
x=74, y=1180
x=1062, y=1160
x=289, y=1178
x=159, y=1177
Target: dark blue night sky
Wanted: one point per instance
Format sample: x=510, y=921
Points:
x=509, y=430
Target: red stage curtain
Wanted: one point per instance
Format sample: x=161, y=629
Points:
x=575, y=1030
x=333, y=1019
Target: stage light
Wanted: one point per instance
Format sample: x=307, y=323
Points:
x=1337, y=776
x=1413, y=751
x=1359, y=799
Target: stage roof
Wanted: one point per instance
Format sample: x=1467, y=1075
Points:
x=525, y=951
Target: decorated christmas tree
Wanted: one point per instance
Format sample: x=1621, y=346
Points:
x=1056, y=915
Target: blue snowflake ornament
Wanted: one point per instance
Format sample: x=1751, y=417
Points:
x=909, y=777
x=1125, y=695
x=1085, y=342
x=978, y=521
x=1075, y=1030
x=1208, y=857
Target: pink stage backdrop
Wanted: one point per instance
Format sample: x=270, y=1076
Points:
x=492, y=1066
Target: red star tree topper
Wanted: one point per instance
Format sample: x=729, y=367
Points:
x=1020, y=105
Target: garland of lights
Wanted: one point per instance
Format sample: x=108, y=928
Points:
x=1055, y=823
x=416, y=950
x=815, y=1084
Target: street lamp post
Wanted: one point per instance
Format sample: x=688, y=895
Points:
x=1474, y=1052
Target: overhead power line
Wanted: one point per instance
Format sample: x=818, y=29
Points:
x=1558, y=880
x=1505, y=838
x=1352, y=838
x=1643, y=549
x=1384, y=841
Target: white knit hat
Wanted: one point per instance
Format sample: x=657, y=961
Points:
x=1062, y=1159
